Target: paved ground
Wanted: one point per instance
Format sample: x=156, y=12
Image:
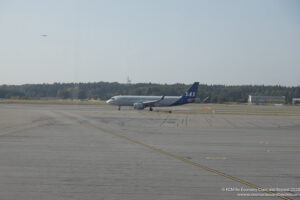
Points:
x=195, y=152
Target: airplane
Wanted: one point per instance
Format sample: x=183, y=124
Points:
x=44, y=35
x=141, y=102
x=205, y=99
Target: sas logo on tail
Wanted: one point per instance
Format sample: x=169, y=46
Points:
x=190, y=94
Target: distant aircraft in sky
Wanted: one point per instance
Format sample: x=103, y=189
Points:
x=141, y=102
x=44, y=35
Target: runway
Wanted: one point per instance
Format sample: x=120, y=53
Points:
x=97, y=152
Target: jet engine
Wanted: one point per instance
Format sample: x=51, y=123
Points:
x=138, y=106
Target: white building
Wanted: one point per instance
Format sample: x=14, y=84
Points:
x=296, y=100
x=266, y=99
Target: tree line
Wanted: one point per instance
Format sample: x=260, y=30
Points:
x=105, y=90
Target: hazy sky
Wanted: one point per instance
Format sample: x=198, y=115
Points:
x=158, y=41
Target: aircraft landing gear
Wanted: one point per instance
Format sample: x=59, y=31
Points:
x=150, y=109
x=119, y=108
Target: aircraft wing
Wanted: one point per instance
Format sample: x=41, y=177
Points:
x=151, y=103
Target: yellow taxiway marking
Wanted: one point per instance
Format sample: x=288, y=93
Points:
x=176, y=157
x=215, y=158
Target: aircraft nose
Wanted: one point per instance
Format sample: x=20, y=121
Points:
x=108, y=101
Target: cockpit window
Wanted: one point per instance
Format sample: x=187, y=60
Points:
x=113, y=99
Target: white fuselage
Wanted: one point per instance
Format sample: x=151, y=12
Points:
x=130, y=100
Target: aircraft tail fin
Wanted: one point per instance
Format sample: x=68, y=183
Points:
x=189, y=96
x=192, y=91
